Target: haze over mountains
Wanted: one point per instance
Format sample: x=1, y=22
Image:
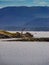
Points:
x=30, y=18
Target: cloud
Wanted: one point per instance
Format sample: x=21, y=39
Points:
x=41, y=2
x=24, y=3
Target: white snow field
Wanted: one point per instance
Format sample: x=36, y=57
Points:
x=24, y=53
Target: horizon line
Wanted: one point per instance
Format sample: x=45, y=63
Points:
x=23, y=6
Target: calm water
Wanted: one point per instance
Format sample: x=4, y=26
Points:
x=24, y=53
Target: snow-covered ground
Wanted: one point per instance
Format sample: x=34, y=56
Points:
x=37, y=34
x=24, y=53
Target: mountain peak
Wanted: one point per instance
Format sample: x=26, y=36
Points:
x=23, y=16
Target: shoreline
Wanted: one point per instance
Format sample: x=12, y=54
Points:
x=36, y=34
x=24, y=35
x=27, y=40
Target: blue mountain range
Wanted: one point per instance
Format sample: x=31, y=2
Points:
x=28, y=18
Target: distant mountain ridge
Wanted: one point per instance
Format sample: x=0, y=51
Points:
x=30, y=18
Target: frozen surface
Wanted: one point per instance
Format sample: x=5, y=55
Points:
x=24, y=53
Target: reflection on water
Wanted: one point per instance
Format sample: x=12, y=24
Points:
x=24, y=53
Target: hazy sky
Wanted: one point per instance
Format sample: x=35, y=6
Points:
x=4, y=3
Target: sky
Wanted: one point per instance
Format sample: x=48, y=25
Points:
x=5, y=3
